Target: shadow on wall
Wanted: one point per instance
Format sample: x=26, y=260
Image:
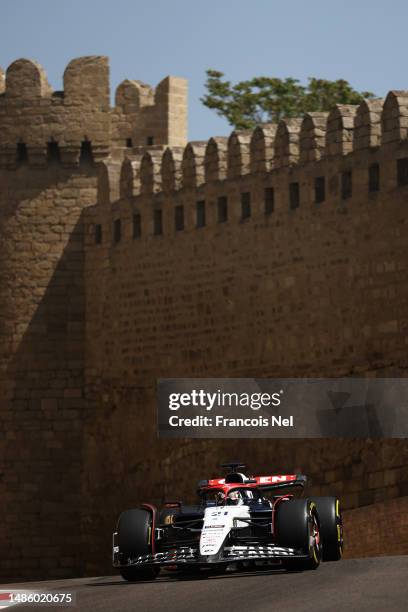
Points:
x=41, y=379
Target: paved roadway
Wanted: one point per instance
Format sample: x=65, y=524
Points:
x=356, y=584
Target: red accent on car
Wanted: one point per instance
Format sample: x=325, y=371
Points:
x=277, y=479
x=257, y=481
x=276, y=502
x=153, y=510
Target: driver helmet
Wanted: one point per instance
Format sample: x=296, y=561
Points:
x=219, y=497
x=235, y=498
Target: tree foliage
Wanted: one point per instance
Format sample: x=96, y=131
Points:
x=268, y=99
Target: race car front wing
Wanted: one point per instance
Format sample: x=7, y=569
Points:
x=229, y=554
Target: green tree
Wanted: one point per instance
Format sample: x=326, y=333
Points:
x=267, y=99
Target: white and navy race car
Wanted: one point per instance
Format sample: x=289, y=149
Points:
x=259, y=519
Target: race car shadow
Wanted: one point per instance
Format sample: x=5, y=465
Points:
x=203, y=575
x=238, y=573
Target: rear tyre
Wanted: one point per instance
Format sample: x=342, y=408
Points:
x=298, y=527
x=134, y=539
x=331, y=527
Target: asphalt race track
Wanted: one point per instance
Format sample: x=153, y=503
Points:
x=357, y=584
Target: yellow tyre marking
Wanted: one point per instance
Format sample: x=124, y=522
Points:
x=313, y=506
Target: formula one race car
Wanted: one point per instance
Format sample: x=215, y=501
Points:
x=239, y=519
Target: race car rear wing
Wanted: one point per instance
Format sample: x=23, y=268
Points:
x=271, y=483
x=266, y=483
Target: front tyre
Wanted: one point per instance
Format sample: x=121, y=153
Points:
x=298, y=527
x=135, y=539
x=331, y=527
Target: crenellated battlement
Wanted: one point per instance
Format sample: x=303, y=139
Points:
x=145, y=117
x=297, y=145
x=2, y=80
x=39, y=125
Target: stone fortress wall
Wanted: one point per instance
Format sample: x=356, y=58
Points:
x=127, y=254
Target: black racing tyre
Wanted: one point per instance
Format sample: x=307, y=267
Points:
x=331, y=527
x=134, y=539
x=297, y=527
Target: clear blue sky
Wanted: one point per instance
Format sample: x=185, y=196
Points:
x=365, y=41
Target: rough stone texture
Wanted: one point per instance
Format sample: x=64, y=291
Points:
x=215, y=160
x=367, y=125
x=147, y=116
x=87, y=328
x=376, y=530
x=340, y=126
x=31, y=114
x=2, y=80
x=42, y=299
x=286, y=143
x=42, y=368
x=312, y=137
x=317, y=291
x=262, y=142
